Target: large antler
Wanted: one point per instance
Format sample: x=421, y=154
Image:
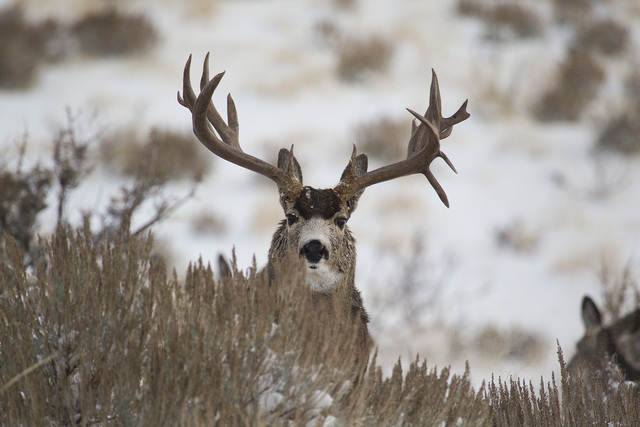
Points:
x=424, y=147
x=227, y=146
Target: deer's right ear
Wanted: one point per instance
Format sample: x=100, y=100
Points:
x=284, y=157
x=591, y=316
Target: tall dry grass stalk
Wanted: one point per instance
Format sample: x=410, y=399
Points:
x=98, y=333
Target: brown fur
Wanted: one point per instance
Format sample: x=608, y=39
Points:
x=322, y=207
x=618, y=342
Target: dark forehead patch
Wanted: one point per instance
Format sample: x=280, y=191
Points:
x=311, y=202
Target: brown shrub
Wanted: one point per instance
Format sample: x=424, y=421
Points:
x=510, y=344
x=359, y=56
x=577, y=83
x=97, y=333
x=100, y=333
x=384, y=138
x=504, y=21
x=474, y=8
x=25, y=46
x=170, y=154
x=24, y=195
x=573, y=11
x=27, y=191
x=607, y=37
x=114, y=33
x=515, y=20
x=621, y=135
x=22, y=49
x=518, y=237
x=600, y=402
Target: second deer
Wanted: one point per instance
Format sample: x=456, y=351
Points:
x=618, y=343
x=315, y=225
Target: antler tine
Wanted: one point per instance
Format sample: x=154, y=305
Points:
x=228, y=131
x=189, y=96
x=204, y=79
x=206, y=118
x=423, y=148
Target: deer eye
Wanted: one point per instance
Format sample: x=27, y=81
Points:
x=341, y=222
x=292, y=219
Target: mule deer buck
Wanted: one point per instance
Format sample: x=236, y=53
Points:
x=315, y=224
x=618, y=343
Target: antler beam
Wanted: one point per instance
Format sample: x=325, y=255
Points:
x=423, y=148
x=206, y=118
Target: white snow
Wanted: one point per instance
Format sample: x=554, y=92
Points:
x=512, y=170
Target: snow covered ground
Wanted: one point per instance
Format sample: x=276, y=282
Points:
x=538, y=183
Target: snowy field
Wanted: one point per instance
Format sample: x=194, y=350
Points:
x=533, y=210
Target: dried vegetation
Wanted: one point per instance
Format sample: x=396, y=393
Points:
x=174, y=155
x=97, y=332
x=29, y=187
x=575, y=86
x=503, y=20
x=113, y=33
x=25, y=46
x=357, y=57
x=383, y=138
x=621, y=132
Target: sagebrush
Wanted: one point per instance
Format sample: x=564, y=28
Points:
x=99, y=333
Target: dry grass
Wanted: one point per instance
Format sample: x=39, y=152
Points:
x=24, y=195
x=113, y=33
x=607, y=37
x=514, y=402
x=511, y=344
x=174, y=155
x=573, y=11
x=512, y=21
x=359, y=56
x=127, y=344
x=208, y=223
x=578, y=81
x=383, y=138
x=503, y=20
x=29, y=190
x=619, y=134
x=518, y=236
x=620, y=289
x=473, y=8
x=97, y=333
x=24, y=47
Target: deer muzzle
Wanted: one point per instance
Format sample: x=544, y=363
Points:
x=314, y=252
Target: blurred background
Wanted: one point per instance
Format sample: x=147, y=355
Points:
x=544, y=210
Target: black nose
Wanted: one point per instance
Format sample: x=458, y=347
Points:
x=314, y=251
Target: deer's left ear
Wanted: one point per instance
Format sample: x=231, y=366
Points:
x=591, y=316
x=360, y=166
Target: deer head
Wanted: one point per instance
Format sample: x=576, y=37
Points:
x=315, y=224
x=618, y=342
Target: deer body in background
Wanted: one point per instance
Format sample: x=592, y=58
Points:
x=618, y=342
x=315, y=224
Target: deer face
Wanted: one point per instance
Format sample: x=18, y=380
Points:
x=316, y=229
x=619, y=342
